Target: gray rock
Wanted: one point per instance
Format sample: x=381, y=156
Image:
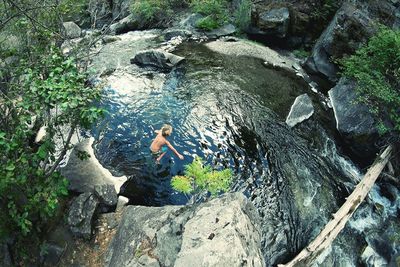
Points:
x=370, y=258
x=120, y=8
x=52, y=255
x=275, y=21
x=353, y=24
x=111, y=219
x=353, y=120
x=171, y=33
x=190, y=22
x=71, y=30
x=129, y=23
x=5, y=257
x=83, y=175
x=107, y=197
x=81, y=213
x=110, y=39
x=221, y=232
x=301, y=110
x=156, y=58
x=225, y=30
x=100, y=12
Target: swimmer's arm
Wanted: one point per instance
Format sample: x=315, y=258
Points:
x=174, y=150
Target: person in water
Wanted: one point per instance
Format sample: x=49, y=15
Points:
x=158, y=148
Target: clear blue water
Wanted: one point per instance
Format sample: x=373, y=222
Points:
x=203, y=101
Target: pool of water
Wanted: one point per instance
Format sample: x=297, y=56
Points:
x=202, y=101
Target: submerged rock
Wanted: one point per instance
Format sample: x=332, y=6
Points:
x=80, y=216
x=71, y=30
x=221, y=232
x=156, y=58
x=354, y=121
x=301, y=110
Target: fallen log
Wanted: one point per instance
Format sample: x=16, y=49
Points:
x=333, y=228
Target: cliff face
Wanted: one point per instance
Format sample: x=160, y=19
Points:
x=221, y=232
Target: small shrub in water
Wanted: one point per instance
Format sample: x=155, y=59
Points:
x=200, y=178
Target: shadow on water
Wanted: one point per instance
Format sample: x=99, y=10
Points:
x=202, y=101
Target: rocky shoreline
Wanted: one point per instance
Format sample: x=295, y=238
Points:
x=209, y=233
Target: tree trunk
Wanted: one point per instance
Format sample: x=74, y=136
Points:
x=333, y=228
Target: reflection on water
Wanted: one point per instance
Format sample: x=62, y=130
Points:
x=201, y=100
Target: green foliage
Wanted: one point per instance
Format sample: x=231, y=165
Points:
x=376, y=68
x=156, y=11
x=301, y=53
x=215, y=12
x=243, y=15
x=149, y=10
x=51, y=92
x=200, y=178
x=73, y=10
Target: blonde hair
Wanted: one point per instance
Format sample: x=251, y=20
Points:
x=165, y=129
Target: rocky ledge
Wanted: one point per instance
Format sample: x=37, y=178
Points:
x=221, y=232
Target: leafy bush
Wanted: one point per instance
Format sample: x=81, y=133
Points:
x=53, y=94
x=214, y=10
x=376, y=68
x=200, y=178
x=301, y=53
x=150, y=10
x=156, y=11
x=243, y=15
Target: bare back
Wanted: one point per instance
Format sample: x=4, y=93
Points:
x=158, y=142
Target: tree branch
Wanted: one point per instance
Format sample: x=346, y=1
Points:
x=63, y=152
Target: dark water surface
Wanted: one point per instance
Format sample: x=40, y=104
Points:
x=202, y=100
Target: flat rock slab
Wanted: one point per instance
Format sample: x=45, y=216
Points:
x=221, y=232
x=84, y=175
x=301, y=110
x=225, y=30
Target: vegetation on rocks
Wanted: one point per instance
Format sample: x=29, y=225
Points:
x=44, y=100
x=376, y=68
x=215, y=12
x=160, y=12
x=200, y=178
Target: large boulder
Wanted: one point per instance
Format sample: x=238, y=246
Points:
x=301, y=110
x=120, y=8
x=273, y=22
x=81, y=215
x=354, y=121
x=221, y=232
x=100, y=12
x=156, y=58
x=129, y=23
x=71, y=30
x=353, y=24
